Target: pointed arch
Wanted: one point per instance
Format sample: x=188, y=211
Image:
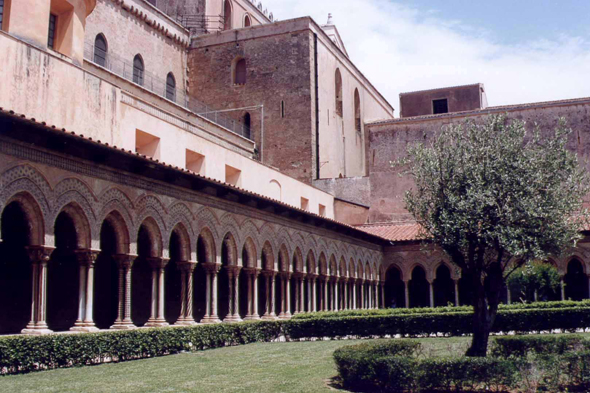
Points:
x=249, y=254
x=338, y=92
x=81, y=224
x=298, y=260
x=33, y=214
x=310, y=263
x=118, y=223
x=206, y=249
x=184, y=239
x=283, y=258
x=268, y=260
x=229, y=250
x=154, y=233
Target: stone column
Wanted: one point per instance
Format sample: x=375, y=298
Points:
x=508, y=295
x=354, y=297
x=250, y=273
x=187, y=269
x=211, y=271
x=325, y=305
x=362, y=289
x=383, y=294
x=39, y=257
x=457, y=293
x=233, y=298
x=588, y=285
x=236, y=315
x=125, y=264
x=431, y=292
x=286, y=296
x=314, y=294
x=256, y=314
x=335, y=294
x=562, y=282
x=301, y=294
x=86, y=260
x=407, y=294
x=296, y=309
x=273, y=312
x=268, y=283
x=158, y=275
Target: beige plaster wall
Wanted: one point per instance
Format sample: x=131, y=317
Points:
x=128, y=33
x=342, y=148
x=51, y=90
x=240, y=8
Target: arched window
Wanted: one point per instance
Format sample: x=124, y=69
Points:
x=170, y=87
x=240, y=71
x=138, y=70
x=247, y=122
x=100, y=50
x=357, y=111
x=247, y=21
x=338, y=92
x=227, y=15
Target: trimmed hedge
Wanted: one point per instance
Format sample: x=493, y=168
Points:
x=19, y=354
x=441, y=310
x=396, y=366
x=520, y=321
x=520, y=346
x=29, y=353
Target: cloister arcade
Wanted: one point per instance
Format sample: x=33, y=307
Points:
x=73, y=259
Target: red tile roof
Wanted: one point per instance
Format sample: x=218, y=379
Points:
x=394, y=231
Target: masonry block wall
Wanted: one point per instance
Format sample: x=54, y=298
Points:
x=390, y=140
x=280, y=77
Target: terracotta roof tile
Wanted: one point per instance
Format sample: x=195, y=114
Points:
x=394, y=232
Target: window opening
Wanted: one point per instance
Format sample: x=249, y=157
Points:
x=338, y=93
x=440, y=106
x=52, y=28
x=240, y=72
x=100, y=51
x=283, y=109
x=247, y=21
x=170, y=87
x=227, y=15
x=1, y=12
x=247, y=122
x=357, y=111
x=138, y=70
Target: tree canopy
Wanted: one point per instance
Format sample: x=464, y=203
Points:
x=494, y=196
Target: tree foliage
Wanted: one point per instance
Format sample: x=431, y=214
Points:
x=534, y=281
x=494, y=196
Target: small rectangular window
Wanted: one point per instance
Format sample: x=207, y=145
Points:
x=305, y=204
x=233, y=176
x=52, y=31
x=283, y=109
x=322, y=210
x=195, y=162
x=147, y=144
x=440, y=106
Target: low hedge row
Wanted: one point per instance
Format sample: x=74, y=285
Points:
x=440, y=310
x=519, y=321
x=19, y=354
x=520, y=346
x=26, y=353
x=372, y=367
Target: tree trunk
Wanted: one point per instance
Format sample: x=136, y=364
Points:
x=486, y=297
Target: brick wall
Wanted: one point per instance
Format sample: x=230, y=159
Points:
x=279, y=69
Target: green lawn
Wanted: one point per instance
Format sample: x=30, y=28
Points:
x=274, y=367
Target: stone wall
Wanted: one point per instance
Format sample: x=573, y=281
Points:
x=390, y=140
x=278, y=71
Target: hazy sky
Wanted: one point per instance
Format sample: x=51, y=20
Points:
x=522, y=50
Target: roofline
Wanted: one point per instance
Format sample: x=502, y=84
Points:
x=441, y=88
x=489, y=110
x=161, y=171
x=233, y=37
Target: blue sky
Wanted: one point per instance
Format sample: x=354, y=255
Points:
x=522, y=50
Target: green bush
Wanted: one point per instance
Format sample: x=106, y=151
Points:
x=520, y=346
x=20, y=354
x=369, y=367
x=440, y=310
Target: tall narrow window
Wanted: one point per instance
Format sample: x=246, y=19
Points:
x=247, y=21
x=100, y=50
x=338, y=92
x=1, y=13
x=227, y=15
x=138, y=70
x=240, y=72
x=357, y=111
x=170, y=87
x=52, y=31
x=282, y=109
x=247, y=122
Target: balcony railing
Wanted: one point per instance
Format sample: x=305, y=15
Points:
x=153, y=83
x=199, y=24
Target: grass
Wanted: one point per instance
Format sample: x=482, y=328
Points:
x=269, y=367
x=272, y=367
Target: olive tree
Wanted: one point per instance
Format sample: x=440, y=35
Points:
x=494, y=196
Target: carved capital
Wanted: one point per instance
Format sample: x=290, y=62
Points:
x=212, y=268
x=311, y=276
x=285, y=275
x=125, y=261
x=187, y=266
x=86, y=257
x=39, y=254
x=158, y=262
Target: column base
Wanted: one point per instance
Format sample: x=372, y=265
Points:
x=232, y=319
x=156, y=323
x=36, y=331
x=252, y=318
x=185, y=322
x=285, y=316
x=123, y=325
x=84, y=329
x=210, y=320
x=269, y=317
